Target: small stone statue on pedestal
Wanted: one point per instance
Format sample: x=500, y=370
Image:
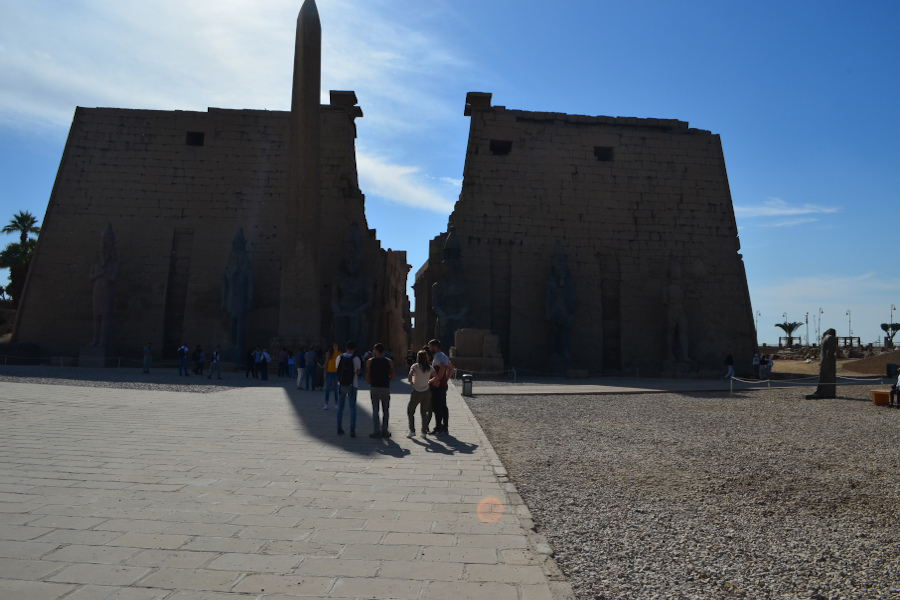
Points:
x=351, y=295
x=560, y=308
x=827, y=367
x=237, y=294
x=449, y=293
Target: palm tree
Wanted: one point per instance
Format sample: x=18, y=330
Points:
x=23, y=223
x=789, y=329
x=891, y=330
x=17, y=256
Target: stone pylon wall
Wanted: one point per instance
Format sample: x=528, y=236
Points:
x=175, y=206
x=624, y=195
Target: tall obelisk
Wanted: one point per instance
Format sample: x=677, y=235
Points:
x=300, y=309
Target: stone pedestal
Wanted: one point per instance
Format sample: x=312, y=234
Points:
x=95, y=357
x=478, y=364
x=476, y=350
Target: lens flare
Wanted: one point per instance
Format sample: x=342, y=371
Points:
x=490, y=510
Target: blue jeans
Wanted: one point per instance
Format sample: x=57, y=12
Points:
x=345, y=393
x=309, y=378
x=331, y=384
x=182, y=366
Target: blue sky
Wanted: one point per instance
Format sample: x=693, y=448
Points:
x=804, y=95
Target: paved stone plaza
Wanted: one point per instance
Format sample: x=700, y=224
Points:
x=110, y=493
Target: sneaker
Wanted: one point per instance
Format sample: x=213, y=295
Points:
x=341, y=431
x=386, y=434
x=375, y=435
x=326, y=407
x=411, y=434
x=352, y=433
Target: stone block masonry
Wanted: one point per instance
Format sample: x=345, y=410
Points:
x=176, y=187
x=625, y=196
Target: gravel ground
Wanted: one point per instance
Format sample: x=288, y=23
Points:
x=755, y=495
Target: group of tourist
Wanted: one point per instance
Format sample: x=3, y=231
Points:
x=428, y=371
x=429, y=375
x=762, y=366
x=198, y=357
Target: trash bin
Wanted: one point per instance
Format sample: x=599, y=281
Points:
x=467, y=384
x=892, y=369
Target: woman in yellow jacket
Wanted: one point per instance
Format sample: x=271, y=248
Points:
x=331, y=373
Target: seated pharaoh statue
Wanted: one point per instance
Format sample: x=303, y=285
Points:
x=449, y=293
x=351, y=294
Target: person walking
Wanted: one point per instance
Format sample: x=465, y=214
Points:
x=419, y=374
x=201, y=360
x=309, y=362
x=257, y=357
x=148, y=356
x=251, y=364
x=264, y=360
x=214, y=366
x=439, y=381
x=763, y=367
x=282, y=362
x=331, y=381
x=379, y=373
x=183, y=352
x=729, y=362
x=756, y=365
x=291, y=364
x=348, y=383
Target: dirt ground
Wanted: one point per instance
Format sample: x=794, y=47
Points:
x=800, y=367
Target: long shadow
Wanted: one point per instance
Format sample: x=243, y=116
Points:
x=444, y=445
x=322, y=424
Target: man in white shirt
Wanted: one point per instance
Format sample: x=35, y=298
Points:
x=348, y=384
x=442, y=372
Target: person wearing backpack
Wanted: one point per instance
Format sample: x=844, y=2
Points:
x=379, y=372
x=348, y=382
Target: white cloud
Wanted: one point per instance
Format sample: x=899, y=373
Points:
x=790, y=223
x=776, y=207
x=170, y=54
x=399, y=184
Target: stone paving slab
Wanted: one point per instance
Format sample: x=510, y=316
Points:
x=249, y=492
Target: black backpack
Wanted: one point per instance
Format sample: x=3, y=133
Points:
x=346, y=370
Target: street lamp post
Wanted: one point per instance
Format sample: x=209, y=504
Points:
x=819, y=327
x=757, y=322
x=807, y=328
x=890, y=330
x=849, y=323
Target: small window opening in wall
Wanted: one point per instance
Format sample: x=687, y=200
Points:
x=194, y=138
x=500, y=147
x=603, y=153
